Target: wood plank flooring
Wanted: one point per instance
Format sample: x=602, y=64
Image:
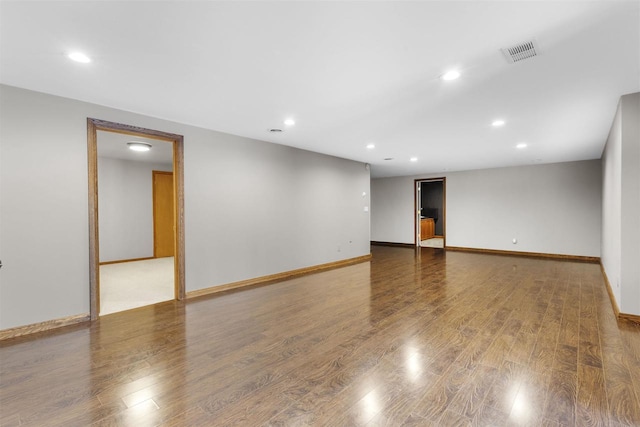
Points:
x=411, y=338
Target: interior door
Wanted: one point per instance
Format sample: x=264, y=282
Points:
x=163, y=217
x=418, y=205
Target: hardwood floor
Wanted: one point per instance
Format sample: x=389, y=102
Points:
x=411, y=338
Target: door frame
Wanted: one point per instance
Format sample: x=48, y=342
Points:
x=416, y=211
x=93, y=126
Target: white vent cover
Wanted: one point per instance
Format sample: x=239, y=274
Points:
x=521, y=51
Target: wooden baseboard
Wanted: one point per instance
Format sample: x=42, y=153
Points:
x=579, y=258
x=396, y=245
x=277, y=277
x=616, y=310
x=126, y=260
x=607, y=284
x=630, y=317
x=42, y=326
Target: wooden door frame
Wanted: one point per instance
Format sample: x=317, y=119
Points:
x=93, y=126
x=416, y=224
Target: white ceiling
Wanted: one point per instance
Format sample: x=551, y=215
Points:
x=349, y=73
x=114, y=145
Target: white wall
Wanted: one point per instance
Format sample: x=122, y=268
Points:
x=553, y=208
x=309, y=212
x=266, y=208
x=621, y=207
x=125, y=208
x=392, y=207
x=630, y=283
x=611, y=205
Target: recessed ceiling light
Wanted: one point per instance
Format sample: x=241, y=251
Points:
x=497, y=123
x=451, y=75
x=79, y=57
x=413, y=159
x=139, y=146
x=371, y=146
x=521, y=145
x=289, y=122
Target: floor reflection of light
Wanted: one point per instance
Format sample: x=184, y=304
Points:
x=370, y=404
x=143, y=411
x=521, y=409
x=139, y=396
x=412, y=363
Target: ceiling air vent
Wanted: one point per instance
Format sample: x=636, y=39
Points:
x=521, y=51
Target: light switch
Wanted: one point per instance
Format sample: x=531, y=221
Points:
x=366, y=208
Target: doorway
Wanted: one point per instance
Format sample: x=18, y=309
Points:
x=430, y=217
x=115, y=255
